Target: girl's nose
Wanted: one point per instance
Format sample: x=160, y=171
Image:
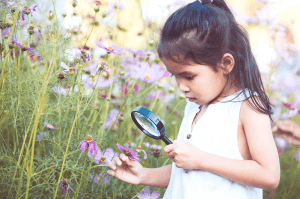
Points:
x=182, y=87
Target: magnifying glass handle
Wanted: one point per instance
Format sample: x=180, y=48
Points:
x=166, y=140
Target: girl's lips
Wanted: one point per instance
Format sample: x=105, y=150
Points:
x=192, y=99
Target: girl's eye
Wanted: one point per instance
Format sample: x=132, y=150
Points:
x=190, y=78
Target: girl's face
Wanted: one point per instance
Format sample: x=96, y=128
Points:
x=200, y=83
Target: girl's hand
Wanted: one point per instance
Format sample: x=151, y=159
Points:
x=287, y=130
x=127, y=170
x=184, y=154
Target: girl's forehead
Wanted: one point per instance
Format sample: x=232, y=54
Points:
x=175, y=67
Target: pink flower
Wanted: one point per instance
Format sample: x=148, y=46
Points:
x=89, y=144
x=148, y=73
x=65, y=186
x=99, y=177
x=103, y=158
x=128, y=152
x=146, y=194
x=49, y=126
x=111, y=49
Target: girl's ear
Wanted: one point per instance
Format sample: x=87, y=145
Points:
x=227, y=63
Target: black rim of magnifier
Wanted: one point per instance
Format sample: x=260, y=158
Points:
x=159, y=125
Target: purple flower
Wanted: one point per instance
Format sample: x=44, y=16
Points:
x=297, y=155
x=105, y=158
x=64, y=91
x=99, y=177
x=148, y=73
x=49, y=126
x=111, y=49
x=89, y=144
x=290, y=113
x=146, y=195
x=65, y=186
x=128, y=152
x=125, y=90
x=138, y=52
x=281, y=143
x=24, y=46
x=115, y=6
x=112, y=117
x=98, y=83
x=39, y=136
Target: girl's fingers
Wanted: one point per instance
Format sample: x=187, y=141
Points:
x=111, y=173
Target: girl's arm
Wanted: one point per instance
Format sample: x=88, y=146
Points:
x=263, y=171
x=157, y=177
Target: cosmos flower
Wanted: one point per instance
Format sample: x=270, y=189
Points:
x=89, y=144
x=115, y=6
x=49, y=126
x=111, y=49
x=148, y=73
x=64, y=91
x=146, y=195
x=65, y=186
x=24, y=46
x=112, y=117
x=125, y=90
x=98, y=83
x=103, y=158
x=99, y=177
x=128, y=152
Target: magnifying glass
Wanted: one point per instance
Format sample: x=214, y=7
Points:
x=149, y=124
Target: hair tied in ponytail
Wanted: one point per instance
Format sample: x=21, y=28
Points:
x=204, y=2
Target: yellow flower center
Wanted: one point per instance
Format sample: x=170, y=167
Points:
x=50, y=126
x=109, y=48
x=147, y=77
x=25, y=45
x=139, y=147
x=98, y=178
x=89, y=138
x=67, y=89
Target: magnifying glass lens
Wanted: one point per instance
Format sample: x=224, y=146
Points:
x=148, y=125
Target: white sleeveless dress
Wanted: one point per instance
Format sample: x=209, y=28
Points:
x=216, y=133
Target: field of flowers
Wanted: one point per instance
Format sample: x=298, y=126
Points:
x=57, y=111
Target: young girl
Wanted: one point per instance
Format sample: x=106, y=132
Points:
x=225, y=148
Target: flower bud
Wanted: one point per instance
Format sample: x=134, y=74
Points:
x=31, y=21
x=159, y=86
x=30, y=30
x=101, y=122
x=43, y=63
x=120, y=118
x=122, y=73
x=104, y=14
x=96, y=8
x=13, y=9
x=11, y=46
x=64, y=15
x=77, y=60
x=181, y=96
x=51, y=15
x=74, y=4
x=151, y=43
x=5, y=36
x=108, y=99
x=171, y=89
x=173, y=123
